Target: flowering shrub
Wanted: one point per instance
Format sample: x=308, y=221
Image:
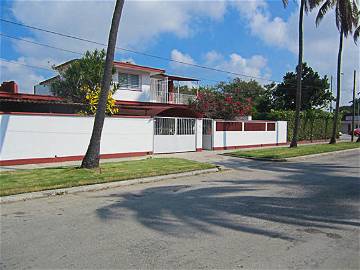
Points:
x=92, y=99
x=213, y=104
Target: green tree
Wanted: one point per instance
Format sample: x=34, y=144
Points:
x=79, y=81
x=347, y=22
x=315, y=91
x=265, y=101
x=92, y=156
x=87, y=71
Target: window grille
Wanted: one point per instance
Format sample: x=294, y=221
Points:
x=164, y=126
x=185, y=126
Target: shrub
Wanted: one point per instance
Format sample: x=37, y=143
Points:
x=315, y=124
x=92, y=99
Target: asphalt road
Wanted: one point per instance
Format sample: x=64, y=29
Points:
x=257, y=215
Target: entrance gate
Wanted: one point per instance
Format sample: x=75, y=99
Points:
x=207, y=134
x=173, y=134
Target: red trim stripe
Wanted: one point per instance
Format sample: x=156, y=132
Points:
x=67, y=158
x=247, y=146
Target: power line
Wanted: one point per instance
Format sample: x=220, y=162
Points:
x=136, y=52
x=127, y=50
x=26, y=65
x=40, y=44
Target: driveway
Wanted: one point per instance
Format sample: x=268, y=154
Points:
x=255, y=215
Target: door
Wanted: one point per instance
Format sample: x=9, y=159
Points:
x=207, y=134
x=172, y=134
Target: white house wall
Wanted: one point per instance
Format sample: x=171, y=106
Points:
x=141, y=95
x=44, y=136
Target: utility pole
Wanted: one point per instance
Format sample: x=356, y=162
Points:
x=331, y=102
x=353, y=114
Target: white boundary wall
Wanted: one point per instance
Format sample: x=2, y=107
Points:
x=45, y=136
x=31, y=136
x=223, y=139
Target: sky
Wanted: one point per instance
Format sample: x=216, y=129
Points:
x=254, y=38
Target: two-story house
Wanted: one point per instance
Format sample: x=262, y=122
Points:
x=142, y=90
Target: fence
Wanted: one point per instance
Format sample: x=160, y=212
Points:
x=237, y=134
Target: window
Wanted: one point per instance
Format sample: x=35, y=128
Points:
x=164, y=126
x=185, y=126
x=129, y=81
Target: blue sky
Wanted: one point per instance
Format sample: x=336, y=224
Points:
x=255, y=38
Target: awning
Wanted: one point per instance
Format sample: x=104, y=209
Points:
x=180, y=78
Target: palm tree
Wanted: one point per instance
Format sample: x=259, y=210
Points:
x=92, y=156
x=347, y=22
x=305, y=5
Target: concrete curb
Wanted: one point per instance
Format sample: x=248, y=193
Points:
x=97, y=187
x=321, y=154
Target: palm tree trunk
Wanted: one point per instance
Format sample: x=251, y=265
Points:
x=338, y=91
x=92, y=156
x=298, y=78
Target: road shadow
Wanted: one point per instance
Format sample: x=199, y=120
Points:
x=307, y=194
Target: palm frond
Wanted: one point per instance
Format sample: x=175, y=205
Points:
x=356, y=34
x=328, y=4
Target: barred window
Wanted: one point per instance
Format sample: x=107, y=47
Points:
x=185, y=126
x=164, y=126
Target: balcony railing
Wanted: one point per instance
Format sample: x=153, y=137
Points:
x=172, y=98
x=159, y=93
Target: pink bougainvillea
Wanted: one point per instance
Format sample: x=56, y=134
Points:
x=213, y=104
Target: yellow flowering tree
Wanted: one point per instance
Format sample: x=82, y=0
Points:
x=92, y=100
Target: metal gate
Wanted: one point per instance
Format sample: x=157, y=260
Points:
x=207, y=134
x=172, y=134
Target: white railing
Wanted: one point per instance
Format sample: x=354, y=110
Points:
x=173, y=98
x=160, y=94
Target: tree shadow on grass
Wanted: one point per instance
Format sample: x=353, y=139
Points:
x=305, y=194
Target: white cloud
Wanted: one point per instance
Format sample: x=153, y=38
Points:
x=176, y=55
x=253, y=67
x=24, y=76
x=141, y=22
x=272, y=31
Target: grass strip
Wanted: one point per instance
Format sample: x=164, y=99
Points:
x=21, y=181
x=281, y=153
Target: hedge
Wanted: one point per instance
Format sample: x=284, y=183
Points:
x=314, y=124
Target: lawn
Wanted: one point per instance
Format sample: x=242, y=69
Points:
x=281, y=153
x=21, y=181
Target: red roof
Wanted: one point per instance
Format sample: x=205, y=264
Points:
x=29, y=97
x=137, y=67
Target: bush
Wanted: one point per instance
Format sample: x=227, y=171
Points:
x=314, y=124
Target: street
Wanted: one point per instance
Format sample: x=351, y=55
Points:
x=272, y=215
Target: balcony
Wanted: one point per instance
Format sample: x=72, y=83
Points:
x=171, y=98
x=163, y=91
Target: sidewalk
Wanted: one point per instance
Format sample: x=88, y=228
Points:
x=210, y=156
